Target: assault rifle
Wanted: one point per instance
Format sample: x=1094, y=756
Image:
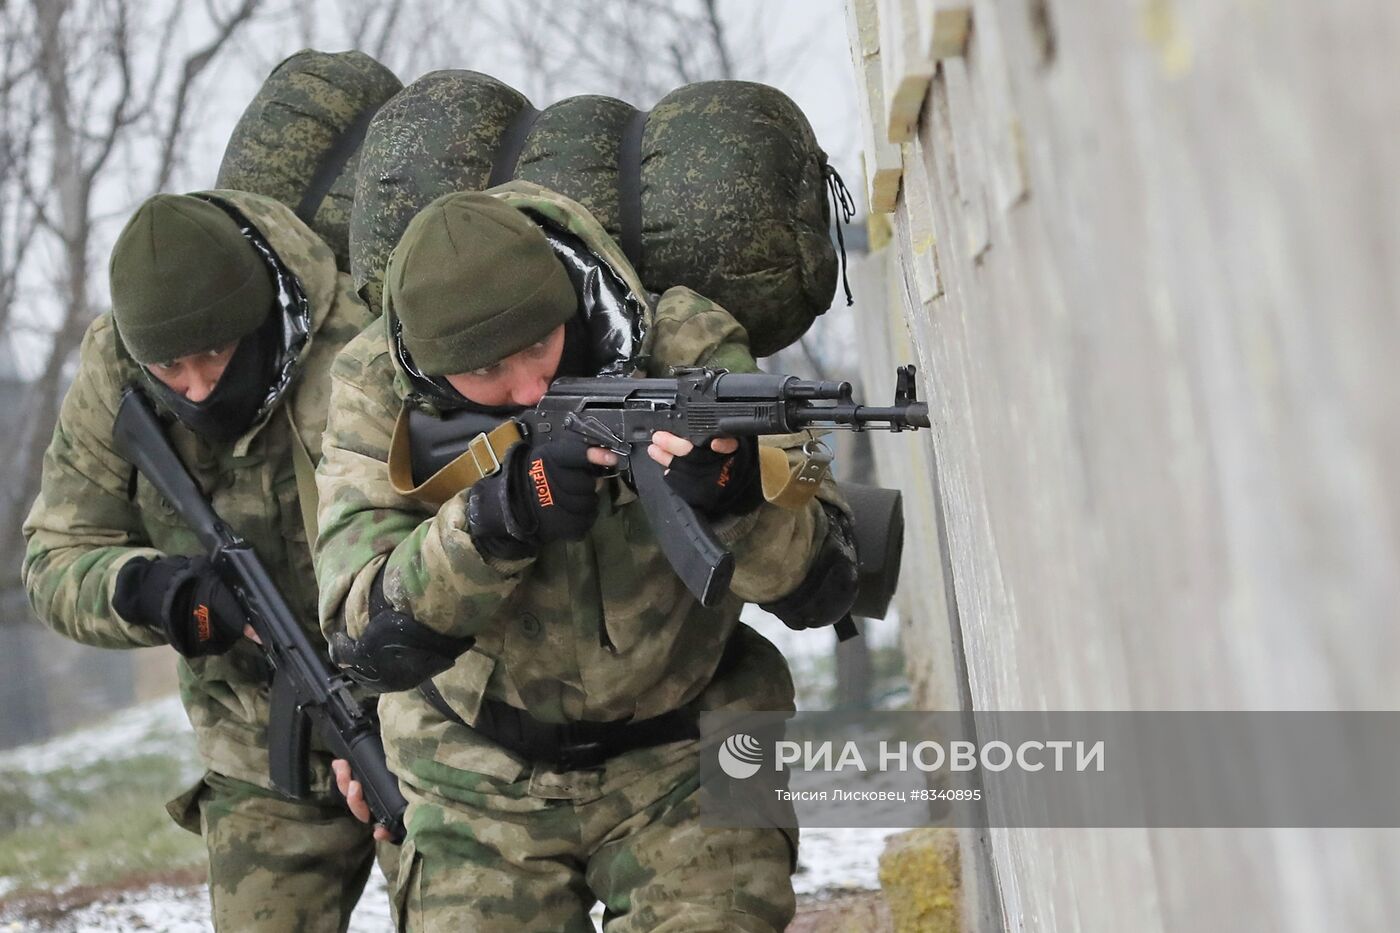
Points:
x=621, y=413
x=306, y=690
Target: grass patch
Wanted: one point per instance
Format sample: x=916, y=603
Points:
x=91, y=824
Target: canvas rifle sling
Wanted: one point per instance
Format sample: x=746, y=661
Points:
x=484, y=455
x=791, y=486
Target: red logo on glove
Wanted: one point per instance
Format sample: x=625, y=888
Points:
x=201, y=615
x=542, y=491
x=724, y=473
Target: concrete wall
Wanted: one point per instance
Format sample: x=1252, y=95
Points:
x=1148, y=257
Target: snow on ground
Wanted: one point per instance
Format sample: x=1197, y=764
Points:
x=181, y=910
x=839, y=860
x=170, y=910
x=147, y=728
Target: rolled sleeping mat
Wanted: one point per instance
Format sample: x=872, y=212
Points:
x=879, y=530
x=721, y=187
x=299, y=139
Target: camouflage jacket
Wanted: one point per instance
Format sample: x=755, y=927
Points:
x=600, y=629
x=95, y=513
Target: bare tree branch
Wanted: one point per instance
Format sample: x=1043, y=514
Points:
x=194, y=66
x=387, y=25
x=19, y=122
x=88, y=70
x=717, y=40
x=65, y=174
x=120, y=117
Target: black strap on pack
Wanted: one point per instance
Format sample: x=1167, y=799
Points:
x=843, y=209
x=629, y=187
x=333, y=163
x=507, y=156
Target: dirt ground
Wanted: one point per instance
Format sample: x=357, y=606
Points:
x=147, y=902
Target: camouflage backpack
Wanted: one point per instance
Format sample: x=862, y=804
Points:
x=299, y=139
x=720, y=187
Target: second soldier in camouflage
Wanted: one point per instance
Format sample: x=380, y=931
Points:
x=227, y=311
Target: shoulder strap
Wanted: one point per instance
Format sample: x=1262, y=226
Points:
x=629, y=188
x=482, y=457
x=507, y=155
x=333, y=163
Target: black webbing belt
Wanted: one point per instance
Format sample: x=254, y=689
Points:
x=574, y=746
x=578, y=746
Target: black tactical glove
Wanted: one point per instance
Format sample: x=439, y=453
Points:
x=542, y=493
x=185, y=598
x=716, y=484
x=396, y=651
x=832, y=583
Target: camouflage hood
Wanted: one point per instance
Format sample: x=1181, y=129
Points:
x=614, y=306
x=304, y=270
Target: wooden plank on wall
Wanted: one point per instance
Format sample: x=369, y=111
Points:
x=943, y=27
x=969, y=158
x=908, y=69
x=883, y=161
x=920, y=253
x=997, y=120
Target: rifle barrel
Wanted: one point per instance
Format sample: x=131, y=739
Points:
x=897, y=418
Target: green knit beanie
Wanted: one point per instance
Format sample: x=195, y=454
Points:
x=184, y=280
x=472, y=281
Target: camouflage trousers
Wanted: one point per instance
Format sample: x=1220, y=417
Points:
x=277, y=864
x=483, y=854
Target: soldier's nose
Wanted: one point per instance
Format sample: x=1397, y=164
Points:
x=198, y=388
x=529, y=392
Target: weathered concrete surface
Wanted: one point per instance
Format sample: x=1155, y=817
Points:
x=1149, y=255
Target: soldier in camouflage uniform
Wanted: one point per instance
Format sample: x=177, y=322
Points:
x=227, y=312
x=552, y=758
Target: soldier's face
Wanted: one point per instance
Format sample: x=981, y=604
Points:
x=519, y=379
x=195, y=375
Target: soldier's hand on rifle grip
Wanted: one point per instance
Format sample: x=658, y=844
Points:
x=185, y=598
x=718, y=480
x=543, y=492
x=354, y=796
